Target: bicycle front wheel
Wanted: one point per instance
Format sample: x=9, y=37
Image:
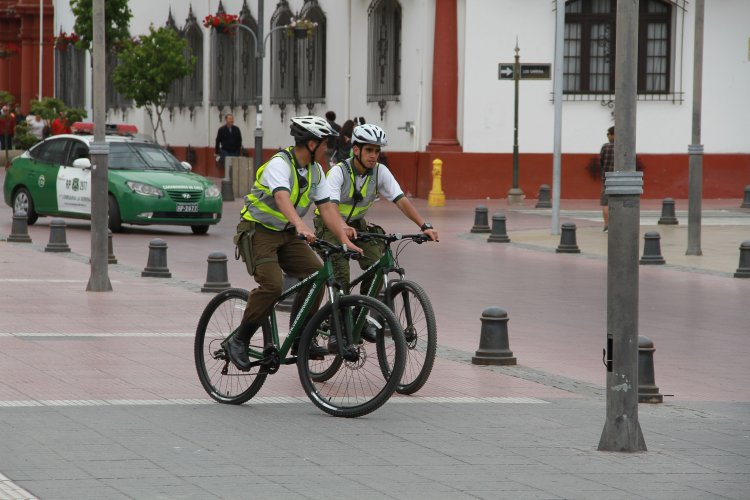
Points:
x=218, y=375
x=414, y=312
x=357, y=386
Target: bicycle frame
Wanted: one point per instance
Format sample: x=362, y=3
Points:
x=385, y=264
x=317, y=281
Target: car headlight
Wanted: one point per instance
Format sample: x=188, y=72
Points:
x=145, y=189
x=212, y=192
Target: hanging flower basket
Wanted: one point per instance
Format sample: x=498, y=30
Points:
x=222, y=22
x=8, y=49
x=300, y=28
x=64, y=39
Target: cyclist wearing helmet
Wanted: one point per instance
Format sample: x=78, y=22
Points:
x=272, y=215
x=355, y=184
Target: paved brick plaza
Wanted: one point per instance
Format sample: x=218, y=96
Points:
x=99, y=397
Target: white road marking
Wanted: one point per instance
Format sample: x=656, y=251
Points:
x=29, y=403
x=11, y=491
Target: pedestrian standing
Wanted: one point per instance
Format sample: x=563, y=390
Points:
x=606, y=164
x=228, y=139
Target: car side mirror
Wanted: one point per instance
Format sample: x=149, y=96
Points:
x=83, y=163
x=187, y=166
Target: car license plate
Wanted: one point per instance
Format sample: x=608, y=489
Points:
x=187, y=207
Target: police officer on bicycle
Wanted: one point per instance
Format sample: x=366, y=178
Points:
x=267, y=236
x=355, y=184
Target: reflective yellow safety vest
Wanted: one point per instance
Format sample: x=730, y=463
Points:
x=351, y=206
x=260, y=205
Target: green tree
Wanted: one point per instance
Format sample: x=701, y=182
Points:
x=117, y=17
x=147, y=69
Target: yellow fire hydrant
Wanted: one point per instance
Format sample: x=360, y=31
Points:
x=436, y=198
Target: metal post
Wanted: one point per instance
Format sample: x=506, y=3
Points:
x=515, y=195
x=260, y=53
x=99, y=151
x=695, y=149
x=557, y=86
x=622, y=431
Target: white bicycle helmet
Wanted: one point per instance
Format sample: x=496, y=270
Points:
x=311, y=127
x=369, y=134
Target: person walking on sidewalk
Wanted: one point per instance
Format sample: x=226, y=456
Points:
x=606, y=164
x=355, y=184
x=271, y=220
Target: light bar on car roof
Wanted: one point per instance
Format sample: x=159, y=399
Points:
x=109, y=128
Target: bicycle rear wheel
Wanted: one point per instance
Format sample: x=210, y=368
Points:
x=358, y=386
x=218, y=375
x=414, y=312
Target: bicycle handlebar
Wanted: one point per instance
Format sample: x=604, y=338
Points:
x=331, y=248
x=390, y=238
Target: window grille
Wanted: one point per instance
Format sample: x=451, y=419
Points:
x=233, y=63
x=312, y=57
x=114, y=100
x=298, y=65
x=70, y=75
x=174, y=97
x=383, y=52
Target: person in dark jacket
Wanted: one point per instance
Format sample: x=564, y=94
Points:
x=228, y=139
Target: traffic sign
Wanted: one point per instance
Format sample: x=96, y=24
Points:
x=528, y=71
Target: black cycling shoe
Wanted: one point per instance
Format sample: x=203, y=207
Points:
x=236, y=346
x=371, y=330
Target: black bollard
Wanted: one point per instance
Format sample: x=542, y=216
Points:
x=58, y=242
x=499, y=235
x=543, y=199
x=111, y=259
x=652, y=249
x=19, y=230
x=286, y=304
x=480, y=220
x=647, y=390
x=216, y=276
x=568, y=242
x=744, y=270
x=156, y=267
x=667, y=213
x=494, y=348
x=746, y=199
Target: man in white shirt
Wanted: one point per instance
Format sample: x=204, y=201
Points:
x=355, y=184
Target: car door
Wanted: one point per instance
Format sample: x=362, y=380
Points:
x=74, y=183
x=42, y=175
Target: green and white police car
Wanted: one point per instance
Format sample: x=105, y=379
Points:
x=147, y=184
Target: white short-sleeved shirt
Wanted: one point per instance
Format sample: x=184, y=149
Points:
x=388, y=186
x=276, y=176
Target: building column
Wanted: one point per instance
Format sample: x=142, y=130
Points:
x=445, y=79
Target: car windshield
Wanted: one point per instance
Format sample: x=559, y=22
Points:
x=141, y=156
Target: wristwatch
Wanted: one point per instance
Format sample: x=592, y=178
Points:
x=426, y=226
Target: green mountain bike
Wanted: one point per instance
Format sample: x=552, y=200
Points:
x=411, y=305
x=354, y=379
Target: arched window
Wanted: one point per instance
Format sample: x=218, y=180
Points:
x=174, y=98
x=114, y=100
x=245, y=74
x=312, y=57
x=282, y=55
x=233, y=62
x=192, y=84
x=589, y=60
x=70, y=74
x=383, y=52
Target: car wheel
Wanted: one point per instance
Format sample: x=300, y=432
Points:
x=115, y=222
x=22, y=201
x=199, y=229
